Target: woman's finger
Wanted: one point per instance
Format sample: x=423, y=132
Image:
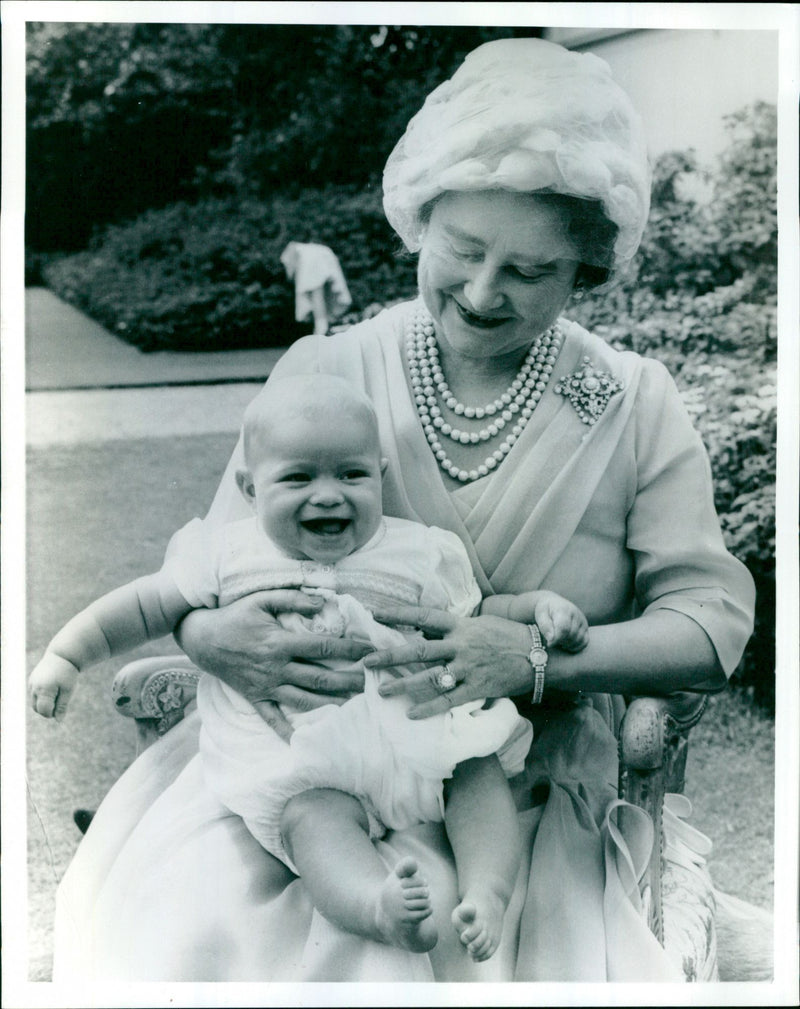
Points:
x=275, y=718
x=404, y=684
x=442, y=702
x=318, y=679
x=416, y=651
x=405, y=671
x=421, y=686
x=322, y=646
x=434, y=622
x=277, y=601
x=305, y=700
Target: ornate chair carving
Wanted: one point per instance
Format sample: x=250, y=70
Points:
x=677, y=895
x=155, y=692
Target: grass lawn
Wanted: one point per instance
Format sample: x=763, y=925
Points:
x=100, y=515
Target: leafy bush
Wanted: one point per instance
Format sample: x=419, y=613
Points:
x=208, y=276
x=702, y=299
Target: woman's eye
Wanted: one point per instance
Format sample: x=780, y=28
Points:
x=527, y=275
x=466, y=254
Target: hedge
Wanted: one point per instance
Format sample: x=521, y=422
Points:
x=207, y=276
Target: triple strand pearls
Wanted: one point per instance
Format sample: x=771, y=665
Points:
x=515, y=405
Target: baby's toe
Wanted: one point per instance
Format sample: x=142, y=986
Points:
x=406, y=867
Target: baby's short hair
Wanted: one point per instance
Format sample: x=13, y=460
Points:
x=314, y=396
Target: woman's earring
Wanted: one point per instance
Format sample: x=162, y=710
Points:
x=577, y=294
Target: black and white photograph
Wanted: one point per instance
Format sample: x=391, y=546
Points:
x=399, y=559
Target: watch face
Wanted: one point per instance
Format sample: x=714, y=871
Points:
x=538, y=657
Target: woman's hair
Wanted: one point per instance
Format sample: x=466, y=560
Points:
x=529, y=116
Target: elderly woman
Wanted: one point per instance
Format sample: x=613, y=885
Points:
x=561, y=464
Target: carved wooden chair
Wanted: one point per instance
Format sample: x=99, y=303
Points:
x=676, y=892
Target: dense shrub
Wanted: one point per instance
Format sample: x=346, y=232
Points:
x=208, y=276
x=702, y=299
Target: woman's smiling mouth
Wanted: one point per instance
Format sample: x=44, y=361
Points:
x=479, y=321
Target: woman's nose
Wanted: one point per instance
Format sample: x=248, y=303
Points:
x=483, y=290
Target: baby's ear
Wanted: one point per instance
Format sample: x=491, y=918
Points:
x=244, y=481
x=384, y=465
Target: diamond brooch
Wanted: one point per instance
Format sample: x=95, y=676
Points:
x=589, y=391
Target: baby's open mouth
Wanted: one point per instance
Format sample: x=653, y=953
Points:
x=326, y=526
x=482, y=321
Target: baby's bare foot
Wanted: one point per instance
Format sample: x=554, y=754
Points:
x=478, y=920
x=404, y=909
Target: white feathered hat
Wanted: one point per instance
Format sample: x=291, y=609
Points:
x=525, y=115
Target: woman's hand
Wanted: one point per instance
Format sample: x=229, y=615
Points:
x=488, y=656
x=244, y=645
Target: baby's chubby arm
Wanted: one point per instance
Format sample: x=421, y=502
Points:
x=562, y=624
x=142, y=610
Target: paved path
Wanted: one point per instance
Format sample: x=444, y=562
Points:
x=102, y=415
x=67, y=350
x=83, y=384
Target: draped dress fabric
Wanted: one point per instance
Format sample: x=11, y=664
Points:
x=618, y=518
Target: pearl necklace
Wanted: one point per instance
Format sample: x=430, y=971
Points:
x=517, y=403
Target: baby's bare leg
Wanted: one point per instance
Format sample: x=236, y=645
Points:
x=482, y=825
x=327, y=836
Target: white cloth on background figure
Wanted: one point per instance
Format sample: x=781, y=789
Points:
x=311, y=267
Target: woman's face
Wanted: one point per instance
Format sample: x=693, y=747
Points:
x=495, y=270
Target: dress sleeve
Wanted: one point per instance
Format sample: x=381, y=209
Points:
x=673, y=530
x=450, y=584
x=192, y=562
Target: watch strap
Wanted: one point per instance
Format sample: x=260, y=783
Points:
x=538, y=660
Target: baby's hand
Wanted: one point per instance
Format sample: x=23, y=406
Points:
x=560, y=622
x=50, y=685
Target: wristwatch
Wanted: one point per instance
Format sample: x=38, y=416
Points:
x=538, y=659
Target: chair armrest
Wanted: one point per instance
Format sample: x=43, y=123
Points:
x=653, y=744
x=156, y=692
x=654, y=735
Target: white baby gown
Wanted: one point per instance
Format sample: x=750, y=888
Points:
x=367, y=746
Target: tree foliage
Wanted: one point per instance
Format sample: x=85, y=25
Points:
x=126, y=117
x=119, y=116
x=703, y=299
